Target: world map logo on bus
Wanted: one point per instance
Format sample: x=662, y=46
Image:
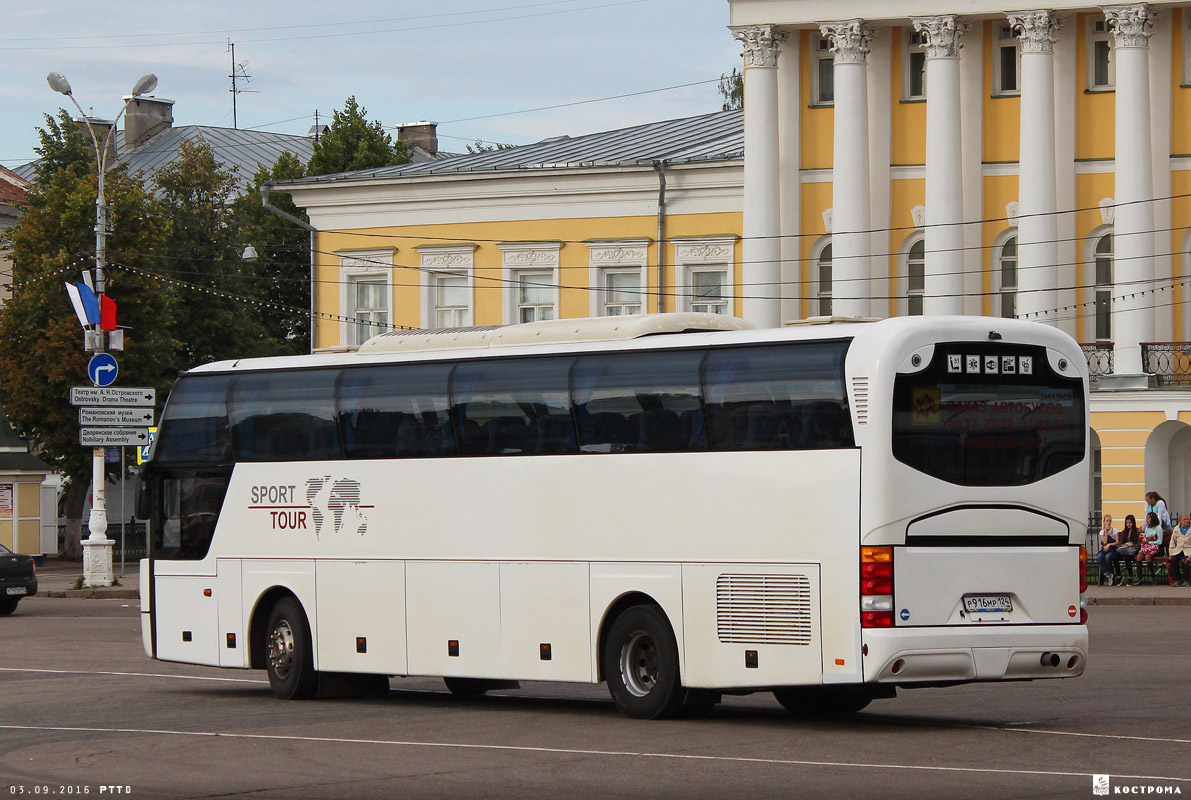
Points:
x=335, y=506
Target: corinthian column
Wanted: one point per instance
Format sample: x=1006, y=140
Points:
x=1133, y=225
x=851, y=260
x=1037, y=188
x=944, y=165
x=761, y=303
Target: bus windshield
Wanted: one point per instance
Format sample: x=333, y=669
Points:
x=988, y=426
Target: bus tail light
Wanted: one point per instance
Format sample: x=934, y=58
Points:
x=1083, y=569
x=876, y=587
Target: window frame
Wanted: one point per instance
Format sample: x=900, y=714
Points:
x=1000, y=44
x=521, y=258
x=443, y=261
x=705, y=254
x=1092, y=36
x=996, y=267
x=620, y=255
x=907, y=260
x=912, y=42
x=817, y=295
x=372, y=265
x=820, y=50
x=1101, y=311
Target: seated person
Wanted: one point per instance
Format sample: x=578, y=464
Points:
x=1107, y=557
x=1180, y=552
x=1128, y=545
x=1151, y=541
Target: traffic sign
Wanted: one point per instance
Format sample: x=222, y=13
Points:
x=113, y=437
x=127, y=417
x=142, y=453
x=112, y=396
x=102, y=369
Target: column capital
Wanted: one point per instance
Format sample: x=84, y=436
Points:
x=1036, y=30
x=1132, y=25
x=944, y=35
x=849, y=40
x=760, y=44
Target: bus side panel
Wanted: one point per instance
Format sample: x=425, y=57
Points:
x=454, y=601
x=545, y=604
x=751, y=625
x=231, y=613
x=361, y=599
x=295, y=575
x=187, y=622
x=660, y=582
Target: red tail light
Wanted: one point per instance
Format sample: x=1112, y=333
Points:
x=876, y=587
x=876, y=619
x=1083, y=569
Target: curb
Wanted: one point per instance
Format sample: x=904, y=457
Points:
x=1139, y=601
x=97, y=593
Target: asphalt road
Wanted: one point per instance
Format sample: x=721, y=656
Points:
x=83, y=712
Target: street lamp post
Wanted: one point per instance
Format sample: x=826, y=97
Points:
x=97, y=561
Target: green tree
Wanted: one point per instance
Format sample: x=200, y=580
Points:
x=731, y=89
x=215, y=317
x=41, y=342
x=352, y=143
x=283, y=251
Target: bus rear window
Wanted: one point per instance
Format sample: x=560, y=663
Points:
x=988, y=429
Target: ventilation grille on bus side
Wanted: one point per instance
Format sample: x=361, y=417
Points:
x=860, y=397
x=763, y=609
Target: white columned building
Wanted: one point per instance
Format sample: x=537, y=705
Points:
x=761, y=230
x=851, y=260
x=1038, y=229
x=944, y=264
x=1133, y=224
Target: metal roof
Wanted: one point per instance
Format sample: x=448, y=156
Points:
x=708, y=137
x=242, y=150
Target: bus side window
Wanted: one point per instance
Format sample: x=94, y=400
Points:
x=513, y=406
x=777, y=397
x=639, y=402
x=395, y=411
x=194, y=426
x=284, y=416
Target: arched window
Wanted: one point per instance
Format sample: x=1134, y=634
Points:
x=1006, y=300
x=1102, y=256
x=823, y=282
x=915, y=277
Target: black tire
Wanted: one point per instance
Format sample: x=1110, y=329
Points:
x=289, y=656
x=8, y=605
x=820, y=701
x=640, y=663
x=467, y=687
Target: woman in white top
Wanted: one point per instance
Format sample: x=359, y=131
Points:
x=1155, y=504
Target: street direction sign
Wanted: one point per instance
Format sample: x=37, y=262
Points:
x=113, y=437
x=126, y=417
x=102, y=369
x=111, y=396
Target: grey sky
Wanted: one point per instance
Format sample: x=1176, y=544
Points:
x=404, y=61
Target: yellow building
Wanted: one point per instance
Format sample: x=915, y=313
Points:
x=919, y=157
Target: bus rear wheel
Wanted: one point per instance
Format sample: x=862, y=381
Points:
x=640, y=663
x=7, y=606
x=290, y=657
x=818, y=701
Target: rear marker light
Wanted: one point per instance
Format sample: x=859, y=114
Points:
x=1071, y=662
x=186, y=636
x=361, y=644
x=544, y=651
x=750, y=659
x=453, y=647
x=231, y=641
x=206, y=592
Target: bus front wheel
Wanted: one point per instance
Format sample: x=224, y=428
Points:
x=817, y=701
x=640, y=662
x=290, y=658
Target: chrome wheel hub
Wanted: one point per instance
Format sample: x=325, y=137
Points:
x=639, y=664
x=281, y=649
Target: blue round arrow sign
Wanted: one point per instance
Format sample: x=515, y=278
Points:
x=102, y=369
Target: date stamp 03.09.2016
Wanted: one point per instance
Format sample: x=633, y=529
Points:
x=65, y=790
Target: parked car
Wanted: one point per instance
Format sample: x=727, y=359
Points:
x=18, y=578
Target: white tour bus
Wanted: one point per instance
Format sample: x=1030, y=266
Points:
x=674, y=504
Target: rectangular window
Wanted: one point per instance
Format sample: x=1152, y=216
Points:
x=707, y=291
x=187, y=507
x=777, y=397
x=822, y=72
x=513, y=406
x=647, y=402
x=535, y=296
x=194, y=425
x=1100, y=55
x=371, y=309
x=1008, y=59
x=284, y=416
x=914, y=70
x=1104, y=315
x=452, y=306
x=396, y=412
x=622, y=293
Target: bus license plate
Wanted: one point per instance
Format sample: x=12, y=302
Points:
x=988, y=603
x=16, y=590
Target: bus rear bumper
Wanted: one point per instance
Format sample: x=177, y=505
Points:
x=943, y=654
